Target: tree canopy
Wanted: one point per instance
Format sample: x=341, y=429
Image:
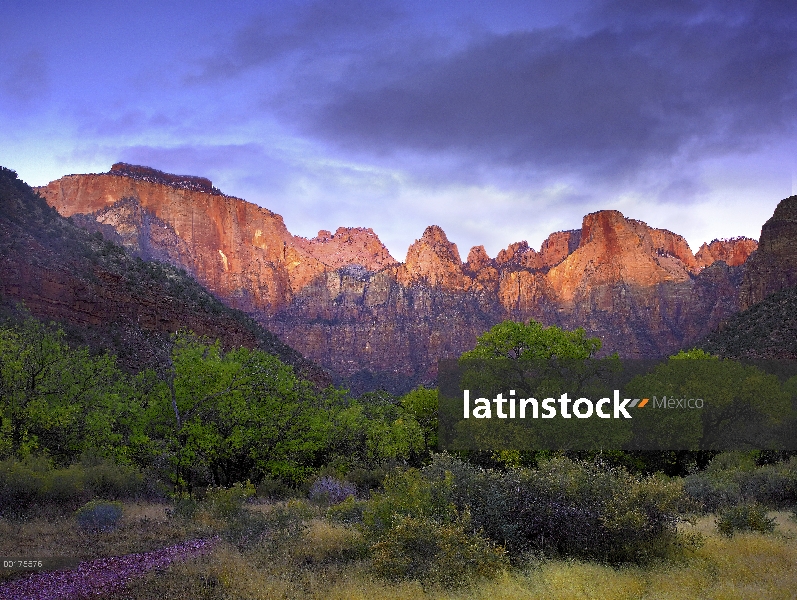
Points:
x=532, y=340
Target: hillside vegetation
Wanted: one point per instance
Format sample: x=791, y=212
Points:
x=765, y=330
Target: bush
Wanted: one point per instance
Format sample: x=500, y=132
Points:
x=567, y=508
x=99, y=515
x=226, y=503
x=366, y=480
x=328, y=490
x=247, y=529
x=184, y=508
x=288, y=519
x=712, y=492
x=348, y=512
x=447, y=554
x=415, y=531
x=106, y=479
x=746, y=517
x=274, y=489
x=33, y=484
x=732, y=479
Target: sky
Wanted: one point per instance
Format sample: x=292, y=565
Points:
x=498, y=121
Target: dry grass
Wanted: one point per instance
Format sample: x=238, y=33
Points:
x=327, y=561
x=144, y=527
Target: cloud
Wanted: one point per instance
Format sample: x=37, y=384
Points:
x=622, y=91
x=26, y=81
x=306, y=29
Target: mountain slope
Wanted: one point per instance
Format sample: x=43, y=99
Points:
x=105, y=297
x=767, y=329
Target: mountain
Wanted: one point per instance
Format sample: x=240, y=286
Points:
x=344, y=302
x=103, y=296
x=767, y=326
x=773, y=266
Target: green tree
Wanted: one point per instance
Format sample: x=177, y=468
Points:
x=56, y=399
x=236, y=415
x=529, y=360
x=422, y=404
x=371, y=436
x=532, y=340
x=742, y=406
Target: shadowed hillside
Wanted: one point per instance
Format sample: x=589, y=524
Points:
x=105, y=298
x=765, y=330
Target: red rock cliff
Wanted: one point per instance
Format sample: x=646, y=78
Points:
x=343, y=301
x=240, y=251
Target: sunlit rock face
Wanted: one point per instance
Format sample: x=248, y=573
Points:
x=343, y=301
x=733, y=252
x=104, y=298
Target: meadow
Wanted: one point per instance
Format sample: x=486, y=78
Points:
x=326, y=560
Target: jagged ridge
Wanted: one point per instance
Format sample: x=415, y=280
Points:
x=345, y=302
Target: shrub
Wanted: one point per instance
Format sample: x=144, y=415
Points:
x=731, y=480
x=289, y=519
x=567, y=508
x=99, y=515
x=21, y=485
x=274, y=489
x=712, y=492
x=415, y=531
x=107, y=479
x=328, y=490
x=32, y=484
x=226, y=503
x=184, y=508
x=367, y=479
x=448, y=554
x=348, y=512
x=247, y=529
x=746, y=517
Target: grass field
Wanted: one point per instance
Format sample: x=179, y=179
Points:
x=325, y=561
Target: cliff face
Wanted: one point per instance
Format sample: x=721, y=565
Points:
x=240, y=251
x=102, y=295
x=733, y=252
x=343, y=301
x=773, y=266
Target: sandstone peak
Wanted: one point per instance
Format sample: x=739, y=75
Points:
x=518, y=255
x=478, y=258
x=348, y=246
x=733, y=252
x=558, y=246
x=435, y=259
x=603, y=225
x=183, y=182
x=773, y=266
x=614, y=250
x=436, y=240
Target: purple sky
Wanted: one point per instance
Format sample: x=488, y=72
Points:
x=498, y=121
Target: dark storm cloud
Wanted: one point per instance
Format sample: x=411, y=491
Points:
x=306, y=28
x=624, y=89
